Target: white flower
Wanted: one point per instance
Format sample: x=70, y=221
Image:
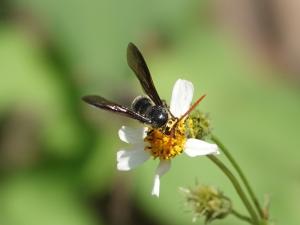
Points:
x=145, y=145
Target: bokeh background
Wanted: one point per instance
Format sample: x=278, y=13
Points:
x=57, y=155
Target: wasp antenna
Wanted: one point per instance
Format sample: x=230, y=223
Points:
x=192, y=107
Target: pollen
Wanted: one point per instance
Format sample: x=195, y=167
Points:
x=166, y=146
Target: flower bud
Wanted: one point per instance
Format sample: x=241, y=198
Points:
x=207, y=201
x=198, y=125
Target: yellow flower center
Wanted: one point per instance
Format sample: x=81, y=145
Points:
x=166, y=146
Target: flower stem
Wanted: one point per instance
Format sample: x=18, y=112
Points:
x=240, y=173
x=241, y=216
x=237, y=187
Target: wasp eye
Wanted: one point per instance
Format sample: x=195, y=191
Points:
x=158, y=116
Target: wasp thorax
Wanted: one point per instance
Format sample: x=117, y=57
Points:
x=157, y=114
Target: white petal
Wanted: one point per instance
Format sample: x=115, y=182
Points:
x=132, y=135
x=129, y=159
x=196, y=147
x=163, y=167
x=182, y=97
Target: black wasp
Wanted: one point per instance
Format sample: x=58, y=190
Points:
x=150, y=110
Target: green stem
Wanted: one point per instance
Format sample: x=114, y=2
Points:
x=241, y=216
x=240, y=173
x=237, y=187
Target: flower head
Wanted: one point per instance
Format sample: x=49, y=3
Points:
x=207, y=201
x=147, y=142
x=198, y=125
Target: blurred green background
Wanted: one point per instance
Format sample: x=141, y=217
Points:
x=57, y=155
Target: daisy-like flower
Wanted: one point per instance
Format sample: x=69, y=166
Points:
x=147, y=142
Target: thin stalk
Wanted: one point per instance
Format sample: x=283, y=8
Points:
x=240, y=173
x=241, y=216
x=237, y=187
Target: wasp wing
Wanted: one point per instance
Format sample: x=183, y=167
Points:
x=137, y=63
x=102, y=103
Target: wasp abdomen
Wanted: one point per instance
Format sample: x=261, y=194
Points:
x=141, y=104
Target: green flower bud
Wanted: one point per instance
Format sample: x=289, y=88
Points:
x=198, y=125
x=208, y=202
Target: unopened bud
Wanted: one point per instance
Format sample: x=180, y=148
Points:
x=198, y=125
x=208, y=202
